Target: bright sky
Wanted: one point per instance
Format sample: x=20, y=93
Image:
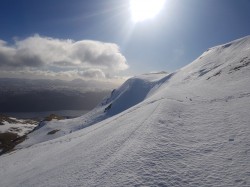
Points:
x=174, y=37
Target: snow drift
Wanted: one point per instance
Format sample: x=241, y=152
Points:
x=188, y=128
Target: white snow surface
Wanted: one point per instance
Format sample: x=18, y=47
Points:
x=188, y=128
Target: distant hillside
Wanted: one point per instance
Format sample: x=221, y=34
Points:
x=13, y=131
x=46, y=100
x=23, y=95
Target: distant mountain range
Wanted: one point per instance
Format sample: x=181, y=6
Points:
x=24, y=95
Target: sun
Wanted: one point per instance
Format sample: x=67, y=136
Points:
x=145, y=9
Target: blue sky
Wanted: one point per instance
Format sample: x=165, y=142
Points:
x=175, y=37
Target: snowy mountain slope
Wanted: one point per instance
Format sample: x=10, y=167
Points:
x=193, y=130
x=129, y=94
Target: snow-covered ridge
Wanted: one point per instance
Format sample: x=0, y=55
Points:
x=189, y=128
x=220, y=60
x=132, y=92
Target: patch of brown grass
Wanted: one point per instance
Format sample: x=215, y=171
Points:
x=53, y=116
x=6, y=118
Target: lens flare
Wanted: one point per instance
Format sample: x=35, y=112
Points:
x=145, y=9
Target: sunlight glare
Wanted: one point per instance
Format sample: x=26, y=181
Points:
x=145, y=9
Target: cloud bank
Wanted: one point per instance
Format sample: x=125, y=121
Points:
x=57, y=57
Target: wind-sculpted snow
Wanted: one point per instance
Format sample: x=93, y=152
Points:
x=189, y=130
x=135, y=90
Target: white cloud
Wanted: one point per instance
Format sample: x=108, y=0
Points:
x=40, y=55
x=92, y=73
x=87, y=75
